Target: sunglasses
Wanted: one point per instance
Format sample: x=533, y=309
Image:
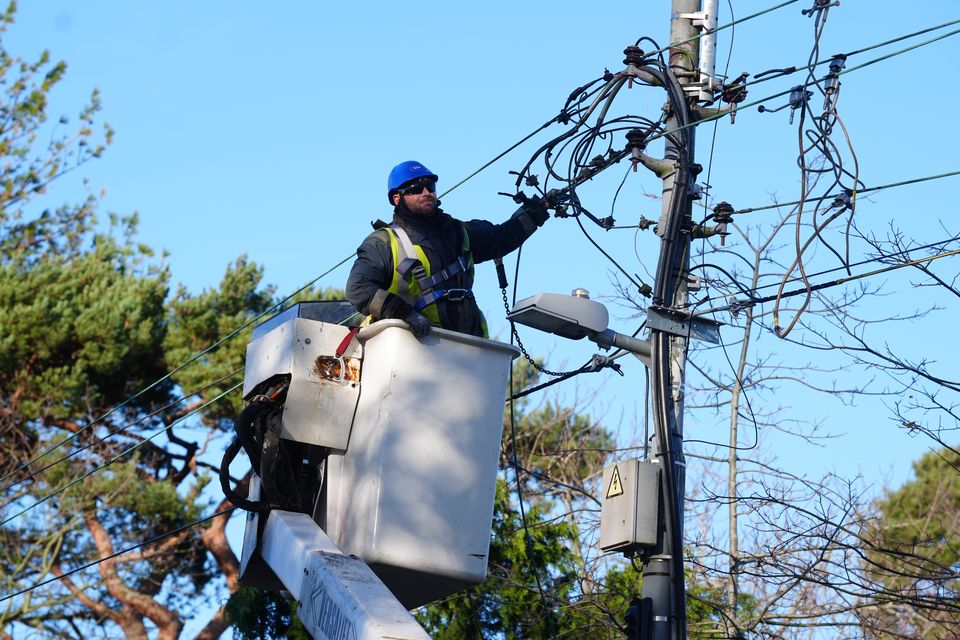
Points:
x=416, y=188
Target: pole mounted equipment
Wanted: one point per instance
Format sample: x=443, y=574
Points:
x=733, y=93
x=723, y=215
x=799, y=96
x=832, y=81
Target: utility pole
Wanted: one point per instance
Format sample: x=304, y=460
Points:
x=663, y=593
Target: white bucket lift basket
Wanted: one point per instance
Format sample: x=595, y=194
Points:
x=414, y=443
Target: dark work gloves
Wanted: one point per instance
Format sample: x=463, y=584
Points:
x=537, y=210
x=419, y=325
x=532, y=214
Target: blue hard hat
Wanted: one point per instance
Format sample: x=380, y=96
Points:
x=405, y=172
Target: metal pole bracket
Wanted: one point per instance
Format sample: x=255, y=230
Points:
x=683, y=324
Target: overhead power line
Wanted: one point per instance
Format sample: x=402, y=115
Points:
x=117, y=457
x=722, y=27
x=902, y=183
x=167, y=376
x=748, y=292
x=657, y=52
x=114, y=555
x=119, y=431
x=827, y=285
x=787, y=71
x=720, y=112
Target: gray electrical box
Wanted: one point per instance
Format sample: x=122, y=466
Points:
x=628, y=517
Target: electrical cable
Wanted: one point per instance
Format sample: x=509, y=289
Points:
x=513, y=436
x=706, y=117
x=114, y=555
x=720, y=113
x=596, y=363
x=503, y=153
x=613, y=261
x=904, y=37
x=949, y=174
x=707, y=265
x=76, y=481
x=746, y=397
x=749, y=292
x=665, y=288
x=780, y=73
x=646, y=414
x=121, y=430
x=900, y=52
x=673, y=45
x=830, y=284
x=527, y=538
x=818, y=228
x=167, y=376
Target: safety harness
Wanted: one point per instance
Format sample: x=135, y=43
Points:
x=413, y=268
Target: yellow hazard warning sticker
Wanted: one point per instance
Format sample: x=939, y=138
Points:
x=616, y=486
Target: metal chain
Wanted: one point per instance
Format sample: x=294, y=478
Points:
x=523, y=350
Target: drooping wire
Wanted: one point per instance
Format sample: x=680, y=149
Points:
x=708, y=115
x=743, y=391
x=594, y=364
x=167, y=376
x=527, y=538
x=832, y=283
x=750, y=292
x=119, y=431
x=120, y=455
x=612, y=260
x=93, y=563
x=821, y=150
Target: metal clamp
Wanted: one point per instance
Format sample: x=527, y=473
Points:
x=683, y=324
x=799, y=96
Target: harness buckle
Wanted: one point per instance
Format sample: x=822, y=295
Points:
x=457, y=295
x=419, y=271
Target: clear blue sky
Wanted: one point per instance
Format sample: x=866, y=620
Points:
x=269, y=130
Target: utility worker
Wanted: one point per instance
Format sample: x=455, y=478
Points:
x=419, y=268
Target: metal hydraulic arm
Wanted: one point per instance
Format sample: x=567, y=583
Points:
x=339, y=596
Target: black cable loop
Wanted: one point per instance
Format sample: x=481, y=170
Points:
x=595, y=364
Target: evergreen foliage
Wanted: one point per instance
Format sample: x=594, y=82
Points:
x=913, y=553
